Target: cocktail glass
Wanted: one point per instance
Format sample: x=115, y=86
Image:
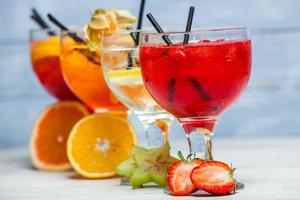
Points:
x=198, y=80
x=121, y=69
x=81, y=71
x=45, y=52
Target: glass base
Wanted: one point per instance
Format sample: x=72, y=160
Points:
x=156, y=124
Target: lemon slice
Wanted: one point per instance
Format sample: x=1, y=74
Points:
x=124, y=73
x=45, y=48
x=125, y=77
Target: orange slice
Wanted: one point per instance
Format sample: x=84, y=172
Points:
x=99, y=143
x=45, y=48
x=49, y=47
x=50, y=133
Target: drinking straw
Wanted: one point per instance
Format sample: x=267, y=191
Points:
x=199, y=88
x=140, y=21
x=73, y=36
x=131, y=35
x=158, y=28
x=189, y=25
x=39, y=20
x=64, y=28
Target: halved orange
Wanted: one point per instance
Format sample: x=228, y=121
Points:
x=50, y=133
x=99, y=143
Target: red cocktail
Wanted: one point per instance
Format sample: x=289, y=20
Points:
x=197, y=81
x=45, y=52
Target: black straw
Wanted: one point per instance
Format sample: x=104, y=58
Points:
x=56, y=22
x=158, y=28
x=189, y=25
x=64, y=28
x=140, y=20
x=39, y=20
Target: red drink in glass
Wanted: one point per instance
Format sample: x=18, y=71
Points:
x=196, y=81
x=49, y=74
x=45, y=53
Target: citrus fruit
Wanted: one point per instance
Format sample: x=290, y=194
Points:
x=131, y=89
x=125, y=74
x=50, y=133
x=99, y=143
x=45, y=48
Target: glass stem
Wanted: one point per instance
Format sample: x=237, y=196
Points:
x=208, y=146
x=199, y=132
x=199, y=141
x=156, y=125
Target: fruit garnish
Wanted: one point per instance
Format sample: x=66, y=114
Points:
x=214, y=177
x=106, y=21
x=45, y=48
x=127, y=167
x=99, y=143
x=152, y=165
x=124, y=73
x=50, y=133
x=179, y=181
x=147, y=165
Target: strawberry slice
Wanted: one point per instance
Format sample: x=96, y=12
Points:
x=179, y=181
x=214, y=177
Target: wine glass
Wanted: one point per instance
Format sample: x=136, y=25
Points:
x=121, y=69
x=44, y=53
x=196, y=81
x=81, y=70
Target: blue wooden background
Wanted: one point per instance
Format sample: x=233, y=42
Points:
x=269, y=107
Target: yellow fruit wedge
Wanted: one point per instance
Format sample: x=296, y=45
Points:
x=124, y=73
x=99, y=143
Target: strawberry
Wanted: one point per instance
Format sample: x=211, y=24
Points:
x=214, y=177
x=179, y=181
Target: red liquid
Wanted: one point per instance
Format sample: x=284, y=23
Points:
x=198, y=80
x=49, y=74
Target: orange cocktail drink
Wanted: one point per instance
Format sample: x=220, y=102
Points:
x=82, y=71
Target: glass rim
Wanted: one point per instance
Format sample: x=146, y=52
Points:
x=151, y=30
x=199, y=30
x=36, y=30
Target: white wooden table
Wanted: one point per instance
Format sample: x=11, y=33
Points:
x=270, y=169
